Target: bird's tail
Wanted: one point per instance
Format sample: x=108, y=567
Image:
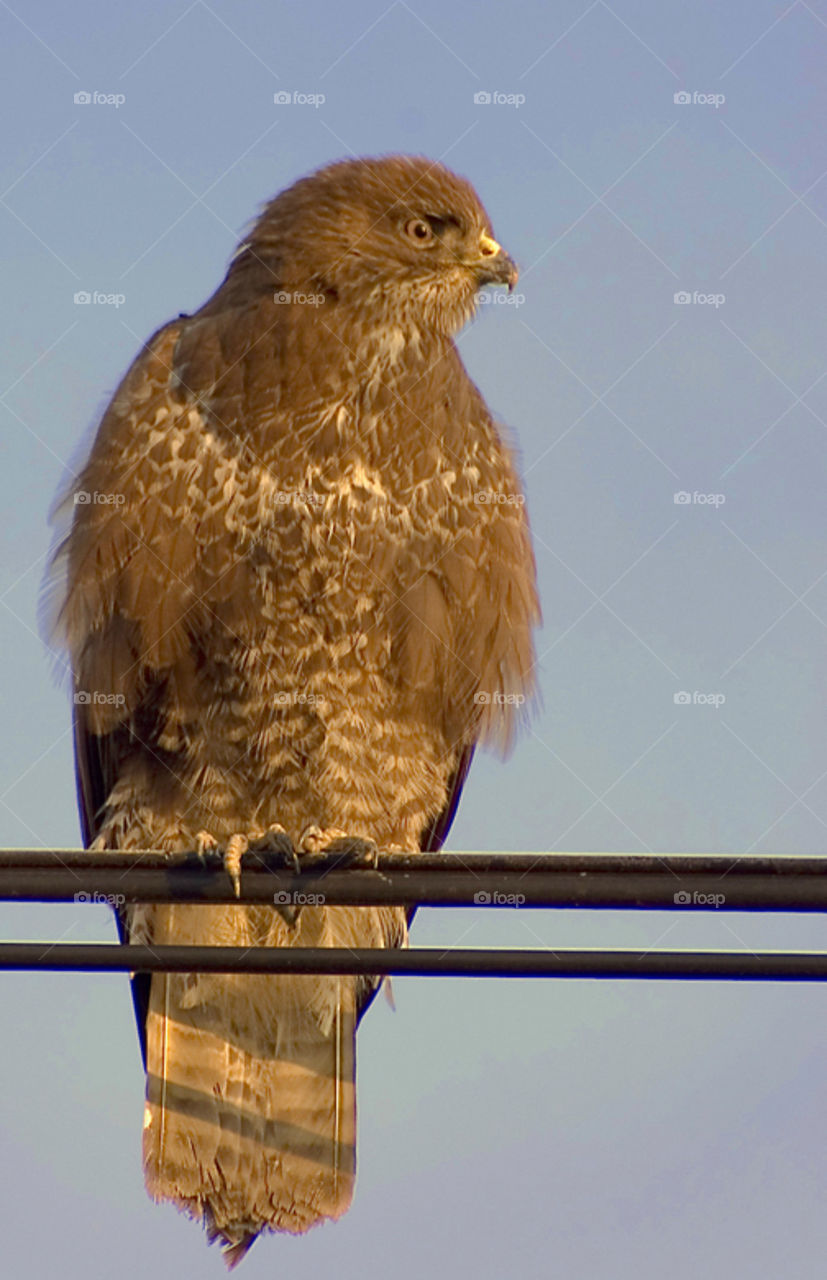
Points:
x=250, y=1120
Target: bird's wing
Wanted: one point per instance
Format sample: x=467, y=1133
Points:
x=96, y=770
x=437, y=832
x=97, y=561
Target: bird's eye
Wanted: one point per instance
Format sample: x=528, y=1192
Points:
x=419, y=231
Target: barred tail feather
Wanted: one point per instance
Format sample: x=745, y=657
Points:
x=250, y=1121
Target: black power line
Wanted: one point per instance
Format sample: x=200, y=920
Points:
x=655, y=882
x=802, y=966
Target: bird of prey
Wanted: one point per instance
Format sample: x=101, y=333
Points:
x=298, y=589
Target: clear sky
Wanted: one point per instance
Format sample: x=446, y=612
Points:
x=587, y=1130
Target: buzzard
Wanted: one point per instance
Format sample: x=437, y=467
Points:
x=297, y=590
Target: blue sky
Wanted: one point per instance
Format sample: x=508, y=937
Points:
x=598, y=1131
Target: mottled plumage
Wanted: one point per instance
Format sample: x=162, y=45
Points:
x=299, y=593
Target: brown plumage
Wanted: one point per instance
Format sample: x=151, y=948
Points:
x=299, y=589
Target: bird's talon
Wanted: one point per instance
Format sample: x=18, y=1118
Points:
x=236, y=848
x=206, y=848
x=352, y=850
x=316, y=840
x=274, y=849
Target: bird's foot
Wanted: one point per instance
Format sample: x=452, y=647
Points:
x=274, y=849
x=270, y=848
x=346, y=850
x=205, y=844
x=316, y=840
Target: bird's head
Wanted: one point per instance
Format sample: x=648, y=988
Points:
x=401, y=235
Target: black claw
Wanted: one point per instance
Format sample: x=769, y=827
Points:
x=275, y=850
x=209, y=858
x=350, y=851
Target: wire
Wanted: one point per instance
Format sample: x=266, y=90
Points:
x=655, y=882
x=802, y=966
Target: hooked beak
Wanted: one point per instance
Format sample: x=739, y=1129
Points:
x=494, y=265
